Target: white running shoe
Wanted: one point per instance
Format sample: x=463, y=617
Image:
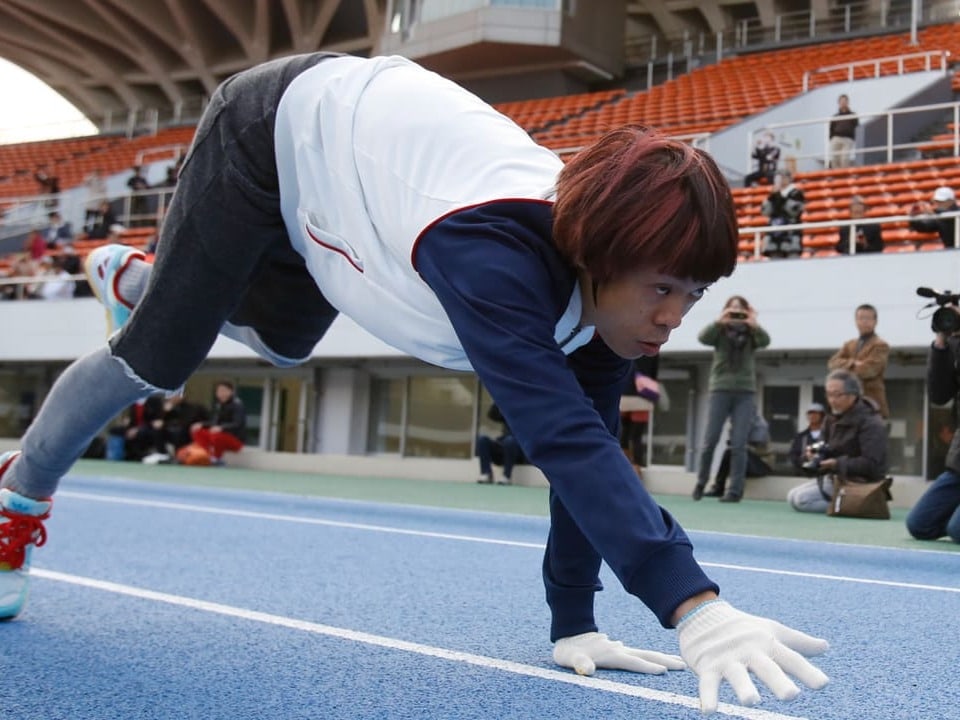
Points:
x=21, y=529
x=103, y=267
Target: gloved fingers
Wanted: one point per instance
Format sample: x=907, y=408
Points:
x=709, y=692
x=797, y=665
x=739, y=679
x=581, y=663
x=632, y=663
x=770, y=674
x=800, y=641
x=670, y=662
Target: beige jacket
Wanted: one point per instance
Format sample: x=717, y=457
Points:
x=869, y=365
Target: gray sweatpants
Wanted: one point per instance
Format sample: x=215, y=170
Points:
x=224, y=262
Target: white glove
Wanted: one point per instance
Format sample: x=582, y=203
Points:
x=589, y=651
x=719, y=642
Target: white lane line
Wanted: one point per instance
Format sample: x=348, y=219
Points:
x=291, y=518
x=406, y=646
x=469, y=538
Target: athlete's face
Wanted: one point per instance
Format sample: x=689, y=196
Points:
x=636, y=313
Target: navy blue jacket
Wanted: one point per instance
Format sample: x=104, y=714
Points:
x=503, y=286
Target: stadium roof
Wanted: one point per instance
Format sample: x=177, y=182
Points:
x=111, y=56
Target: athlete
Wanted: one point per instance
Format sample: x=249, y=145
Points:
x=320, y=184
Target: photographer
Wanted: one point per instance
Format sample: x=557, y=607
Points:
x=854, y=444
x=937, y=512
x=735, y=337
x=767, y=154
x=925, y=216
x=784, y=206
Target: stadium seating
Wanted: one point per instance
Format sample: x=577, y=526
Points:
x=701, y=101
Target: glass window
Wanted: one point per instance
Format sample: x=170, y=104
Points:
x=781, y=410
x=440, y=420
x=670, y=426
x=386, y=415
x=906, y=423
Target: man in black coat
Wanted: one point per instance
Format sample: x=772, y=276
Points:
x=856, y=443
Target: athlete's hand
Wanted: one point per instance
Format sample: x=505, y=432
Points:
x=586, y=652
x=721, y=643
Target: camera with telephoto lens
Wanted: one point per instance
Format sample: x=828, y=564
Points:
x=944, y=319
x=819, y=451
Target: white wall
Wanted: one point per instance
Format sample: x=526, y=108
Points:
x=806, y=305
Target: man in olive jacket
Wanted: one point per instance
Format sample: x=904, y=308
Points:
x=856, y=438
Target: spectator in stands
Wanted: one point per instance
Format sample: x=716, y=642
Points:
x=856, y=443
x=96, y=187
x=460, y=241
x=843, y=134
x=937, y=513
x=502, y=450
x=48, y=185
x=812, y=433
x=169, y=182
x=35, y=245
x=58, y=231
x=866, y=237
x=758, y=458
x=73, y=266
x=784, y=206
x=735, y=337
x=103, y=220
x=23, y=267
x=227, y=428
x=767, y=154
x=866, y=357
x=925, y=216
x=62, y=286
x=138, y=201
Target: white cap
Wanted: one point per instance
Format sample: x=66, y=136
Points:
x=943, y=194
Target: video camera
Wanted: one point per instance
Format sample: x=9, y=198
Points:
x=944, y=320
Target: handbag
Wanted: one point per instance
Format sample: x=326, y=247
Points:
x=860, y=498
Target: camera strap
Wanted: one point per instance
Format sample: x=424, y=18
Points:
x=823, y=493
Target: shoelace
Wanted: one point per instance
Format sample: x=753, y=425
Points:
x=18, y=532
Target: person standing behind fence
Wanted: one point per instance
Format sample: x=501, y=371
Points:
x=843, y=133
x=735, y=336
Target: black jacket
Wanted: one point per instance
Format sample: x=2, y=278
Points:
x=868, y=238
x=232, y=417
x=943, y=386
x=858, y=440
x=941, y=225
x=844, y=125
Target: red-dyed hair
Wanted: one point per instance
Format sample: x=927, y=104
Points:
x=637, y=199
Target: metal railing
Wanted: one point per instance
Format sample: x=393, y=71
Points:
x=893, y=65
x=758, y=233
x=936, y=111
